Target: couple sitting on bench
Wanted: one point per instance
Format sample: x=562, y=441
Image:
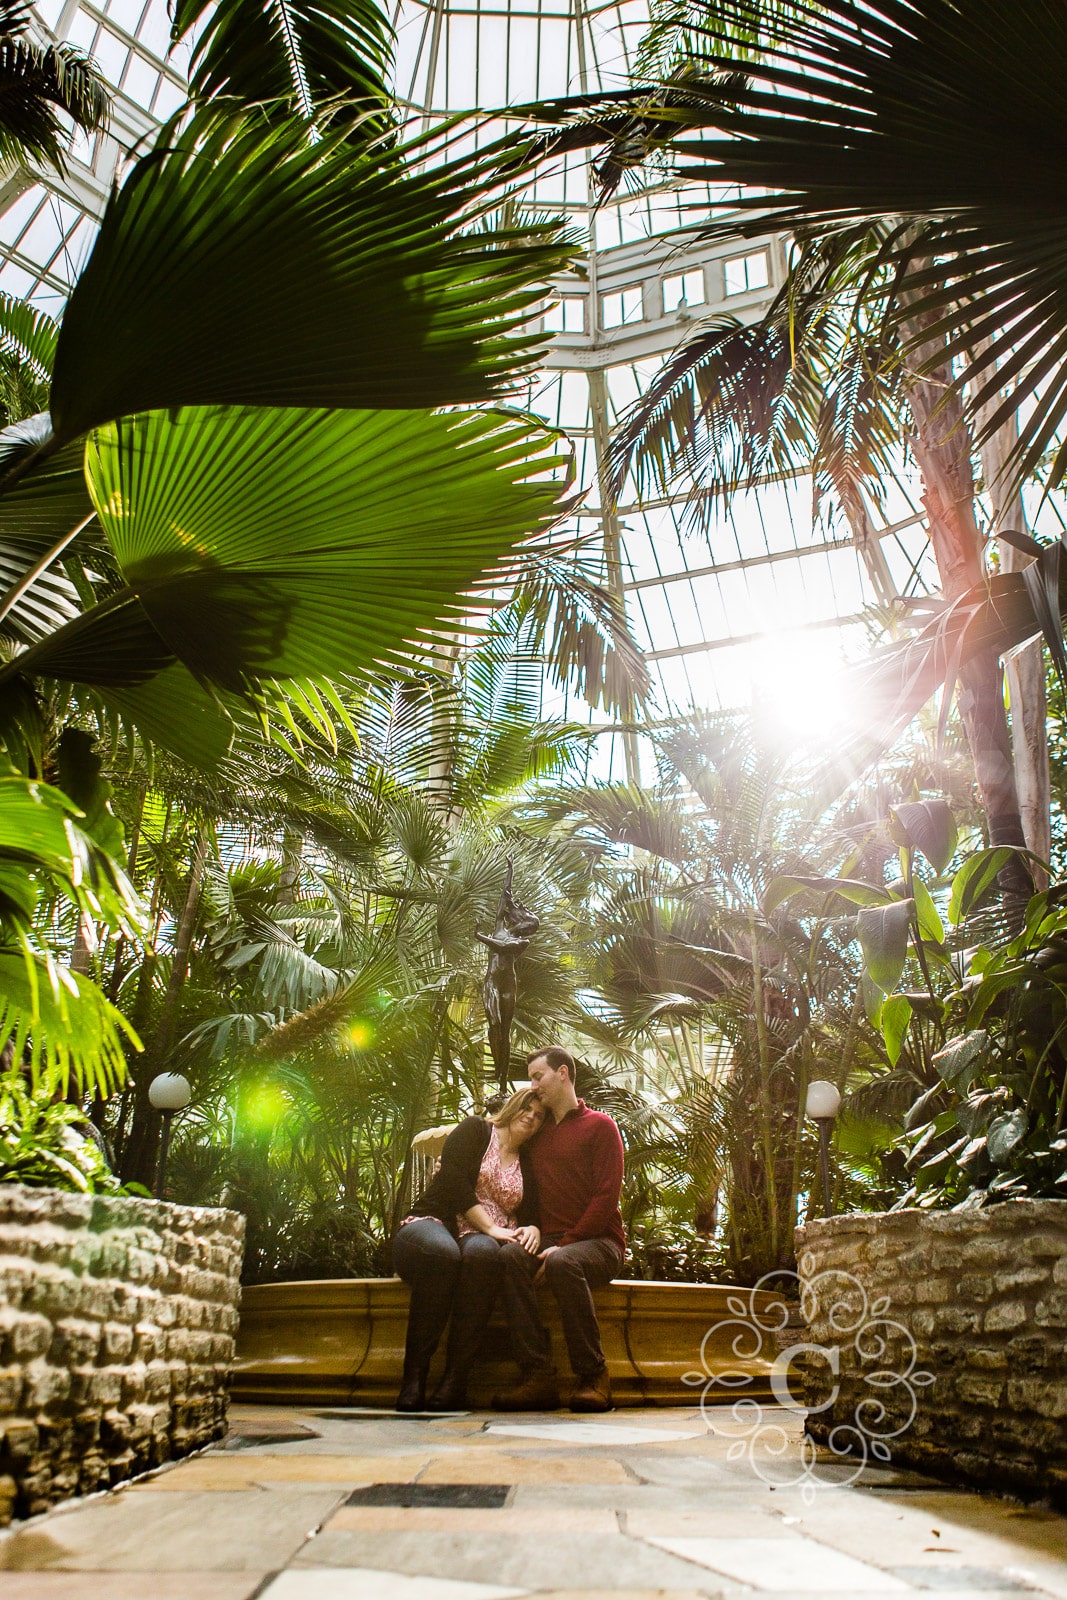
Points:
x=527, y=1196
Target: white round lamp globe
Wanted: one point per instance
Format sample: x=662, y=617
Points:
x=170, y=1092
x=823, y=1100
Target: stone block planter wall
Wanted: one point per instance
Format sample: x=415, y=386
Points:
x=983, y=1294
x=117, y=1325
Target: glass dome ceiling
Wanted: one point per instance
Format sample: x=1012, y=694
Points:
x=767, y=596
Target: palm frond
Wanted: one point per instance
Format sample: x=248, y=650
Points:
x=188, y=297
x=350, y=531
x=297, y=54
x=582, y=631
x=61, y=1025
x=40, y=84
x=852, y=114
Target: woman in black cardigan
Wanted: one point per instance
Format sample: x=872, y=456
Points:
x=448, y=1249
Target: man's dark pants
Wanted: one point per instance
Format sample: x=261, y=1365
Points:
x=572, y=1271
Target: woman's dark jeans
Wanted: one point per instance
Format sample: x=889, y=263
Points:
x=446, y=1276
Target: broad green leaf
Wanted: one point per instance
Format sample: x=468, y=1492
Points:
x=18, y=893
x=994, y=984
x=849, y=890
x=927, y=826
x=268, y=544
x=930, y=924
x=176, y=713
x=883, y=934
x=918, y=1114
x=896, y=1018
x=974, y=879
x=873, y=999
x=1005, y=1135
x=35, y=826
x=961, y=1058
x=60, y=1022
x=245, y=264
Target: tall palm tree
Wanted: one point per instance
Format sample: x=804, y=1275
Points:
x=837, y=115
x=851, y=124
x=682, y=939
x=820, y=384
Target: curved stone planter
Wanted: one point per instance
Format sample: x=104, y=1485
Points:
x=342, y=1343
x=978, y=1299
x=117, y=1318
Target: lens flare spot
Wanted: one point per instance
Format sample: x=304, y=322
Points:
x=358, y=1035
x=265, y=1105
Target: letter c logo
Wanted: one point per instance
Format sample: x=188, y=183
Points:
x=780, y=1376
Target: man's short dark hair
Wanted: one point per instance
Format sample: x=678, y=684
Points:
x=556, y=1057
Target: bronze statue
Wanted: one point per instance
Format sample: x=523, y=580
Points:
x=515, y=927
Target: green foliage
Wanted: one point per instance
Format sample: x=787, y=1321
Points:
x=27, y=351
x=43, y=1142
x=46, y=88
x=984, y=1038
x=993, y=1127
x=295, y=55
x=251, y=539
x=55, y=1019
x=187, y=298
x=823, y=123
x=671, y=1252
x=733, y=1005
x=253, y=492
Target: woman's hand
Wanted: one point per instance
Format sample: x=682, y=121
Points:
x=503, y=1235
x=530, y=1238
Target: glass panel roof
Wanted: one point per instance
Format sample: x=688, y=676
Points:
x=719, y=612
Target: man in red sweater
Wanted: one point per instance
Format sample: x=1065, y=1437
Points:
x=577, y=1159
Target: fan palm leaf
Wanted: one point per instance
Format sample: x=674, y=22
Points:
x=239, y=265
x=297, y=54
x=263, y=544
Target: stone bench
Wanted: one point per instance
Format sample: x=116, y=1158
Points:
x=341, y=1342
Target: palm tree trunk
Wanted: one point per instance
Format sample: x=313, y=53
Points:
x=139, y=1155
x=942, y=446
x=1025, y=670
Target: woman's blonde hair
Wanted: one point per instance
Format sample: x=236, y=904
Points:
x=513, y=1106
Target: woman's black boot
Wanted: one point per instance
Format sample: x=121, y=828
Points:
x=412, y=1396
x=450, y=1394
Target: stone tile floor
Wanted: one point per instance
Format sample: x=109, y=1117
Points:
x=637, y=1505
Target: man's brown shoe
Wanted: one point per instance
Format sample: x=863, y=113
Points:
x=593, y=1394
x=538, y=1392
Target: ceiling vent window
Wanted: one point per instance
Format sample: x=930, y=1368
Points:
x=686, y=289
x=743, y=273
x=618, y=309
x=565, y=315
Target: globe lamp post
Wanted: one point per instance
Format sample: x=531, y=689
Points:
x=169, y=1093
x=821, y=1106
